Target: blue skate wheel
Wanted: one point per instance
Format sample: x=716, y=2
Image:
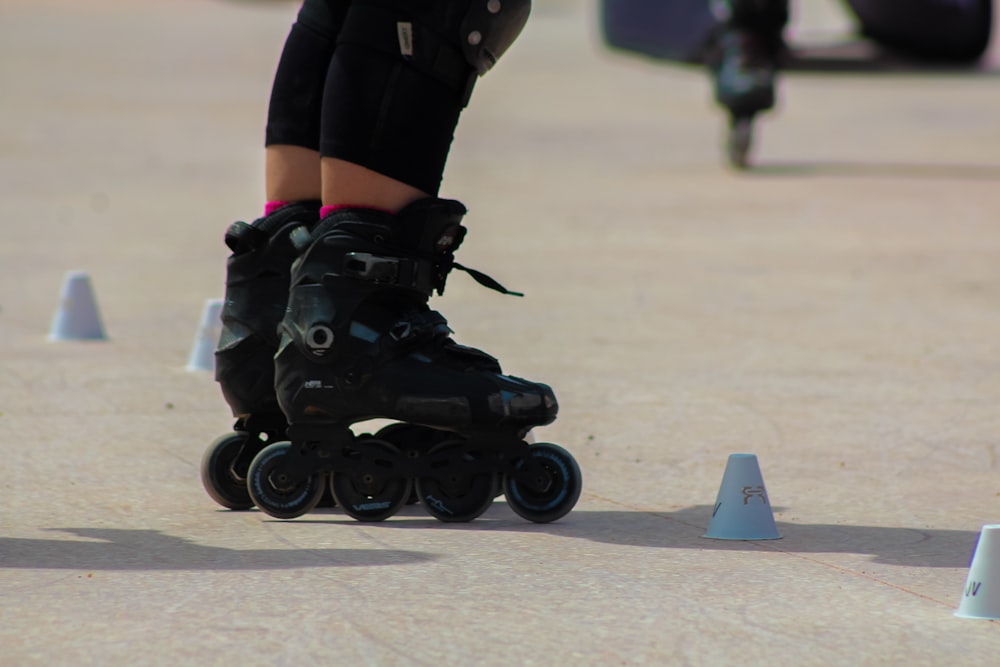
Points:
x=454, y=496
x=566, y=483
x=274, y=493
x=373, y=491
x=224, y=482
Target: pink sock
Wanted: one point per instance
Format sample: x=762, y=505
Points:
x=272, y=206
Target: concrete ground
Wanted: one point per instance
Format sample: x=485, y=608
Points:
x=835, y=311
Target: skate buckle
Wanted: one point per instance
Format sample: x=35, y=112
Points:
x=371, y=267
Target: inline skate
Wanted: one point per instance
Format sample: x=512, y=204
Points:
x=257, y=280
x=744, y=65
x=359, y=342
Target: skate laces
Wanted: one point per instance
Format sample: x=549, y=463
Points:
x=444, y=263
x=484, y=280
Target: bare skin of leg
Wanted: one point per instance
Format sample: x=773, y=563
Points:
x=346, y=183
x=293, y=173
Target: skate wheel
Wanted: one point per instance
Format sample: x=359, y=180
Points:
x=370, y=494
x=226, y=484
x=740, y=140
x=411, y=438
x=456, y=497
x=562, y=494
x=273, y=493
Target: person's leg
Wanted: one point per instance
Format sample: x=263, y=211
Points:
x=258, y=270
x=359, y=340
x=747, y=55
x=292, y=133
x=949, y=30
x=291, y=173
x=744, y=63
x=388, y=116
x=348, y=184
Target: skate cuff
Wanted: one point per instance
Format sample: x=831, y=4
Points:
x=242, y=238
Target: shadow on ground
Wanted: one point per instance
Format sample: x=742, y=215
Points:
x=115, y=549
x=683, y=529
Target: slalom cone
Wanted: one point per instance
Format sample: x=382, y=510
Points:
x=982, y=587
x=77, y=317
x=202, y=357
x=742, y=508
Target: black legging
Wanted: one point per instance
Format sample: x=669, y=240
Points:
x=342, y=87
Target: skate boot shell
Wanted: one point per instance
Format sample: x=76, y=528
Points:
x=359, y=342
x=257, y=279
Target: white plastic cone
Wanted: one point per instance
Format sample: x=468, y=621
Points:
x=77, y=317
x=742, y=508
x=981, y=598
x=202, y=357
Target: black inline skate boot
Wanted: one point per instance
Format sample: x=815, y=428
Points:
x=359, y=342
x=744, y=65
x=257, y=280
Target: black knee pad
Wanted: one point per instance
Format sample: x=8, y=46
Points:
x=294, y=111
x=489, y=27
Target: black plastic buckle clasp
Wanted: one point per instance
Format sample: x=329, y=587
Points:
x=371, y=267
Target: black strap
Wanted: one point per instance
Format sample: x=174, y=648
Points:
x=416, y=273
